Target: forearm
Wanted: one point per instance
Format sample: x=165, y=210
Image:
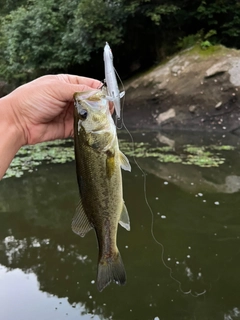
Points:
x=10, y=136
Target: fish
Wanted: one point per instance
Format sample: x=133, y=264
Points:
x=113, y=93
x=98, y=166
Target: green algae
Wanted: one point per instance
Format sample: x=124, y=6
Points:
x=169, y=158
x=29, y=157
x=62, y=151
x=221, y=148
x=202, y=156
x=204, y=160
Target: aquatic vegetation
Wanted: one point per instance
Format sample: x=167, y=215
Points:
x=204, y=156
x=204, y=160
x=194, y=149
x=221, y=148
x=138, y=149
x=142, y=149
x=201, y=156
x=62, y=151
x=162, y=149
x=169, y=158
x=29, y=157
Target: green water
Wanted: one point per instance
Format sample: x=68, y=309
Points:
x=47, y=272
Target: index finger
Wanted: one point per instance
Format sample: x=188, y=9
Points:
x=90, y=82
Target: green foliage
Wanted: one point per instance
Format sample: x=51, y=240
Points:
x=49, y=36
x=188, y=41
x=52, y=35
x=156, y=13
x=198, y=38
x=210, y=34
x=206, y=44
x=95, y=21
x=32, y=38
x=7, y=6
x=224, y=16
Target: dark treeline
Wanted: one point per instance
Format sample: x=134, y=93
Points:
x=49, y=36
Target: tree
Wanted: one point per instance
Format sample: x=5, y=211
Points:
x=32, y=38
x=224, y=17
x=52, y=35
x=38, y=37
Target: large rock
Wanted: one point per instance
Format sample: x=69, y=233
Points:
x=195, y=90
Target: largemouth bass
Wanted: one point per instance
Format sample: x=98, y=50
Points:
x=98, y=165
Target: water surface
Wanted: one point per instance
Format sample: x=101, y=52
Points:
x=47, y=272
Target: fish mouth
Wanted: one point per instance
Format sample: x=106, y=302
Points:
x=92, y=100
x=92, y=95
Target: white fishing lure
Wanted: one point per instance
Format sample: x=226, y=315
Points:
x=113, y=92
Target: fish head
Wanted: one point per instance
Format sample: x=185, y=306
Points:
x=92, y=111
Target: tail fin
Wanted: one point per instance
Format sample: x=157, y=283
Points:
x=110, y=269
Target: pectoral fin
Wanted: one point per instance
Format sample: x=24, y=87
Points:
x=80, y=223
x=124, y=219
x=125, y=165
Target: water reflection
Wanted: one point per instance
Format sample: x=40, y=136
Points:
x=198, y=224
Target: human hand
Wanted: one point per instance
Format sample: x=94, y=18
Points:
x=43, y=109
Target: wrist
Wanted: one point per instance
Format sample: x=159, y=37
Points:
x=9, y=119
x=11, y=135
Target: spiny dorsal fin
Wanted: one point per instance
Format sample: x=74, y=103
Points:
x=80, y=223
x=124, y=219
x=125, y=165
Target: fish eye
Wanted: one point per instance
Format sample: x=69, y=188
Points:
x=83, y=114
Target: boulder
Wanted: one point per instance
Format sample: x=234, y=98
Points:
x=194, y=90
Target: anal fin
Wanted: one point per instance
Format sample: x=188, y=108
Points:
x=124, y=220
x=80, y=223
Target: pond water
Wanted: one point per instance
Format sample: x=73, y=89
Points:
x=191, y=272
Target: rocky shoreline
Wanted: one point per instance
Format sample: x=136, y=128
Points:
x=196, y=90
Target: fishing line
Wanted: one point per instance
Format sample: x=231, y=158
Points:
x=144, y=175
x=152, y=224
x=121, y=104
